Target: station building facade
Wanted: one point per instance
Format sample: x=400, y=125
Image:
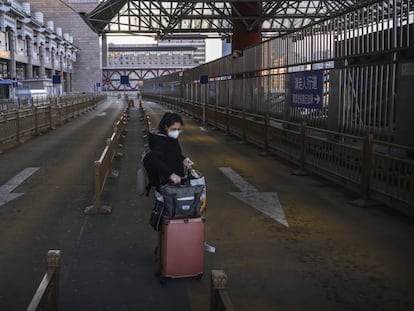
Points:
x=87, y=70
x=31, y=48
x=171, y=54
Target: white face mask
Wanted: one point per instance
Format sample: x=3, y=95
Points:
x=174, y=134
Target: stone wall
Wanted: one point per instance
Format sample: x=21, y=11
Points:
x=87, y=69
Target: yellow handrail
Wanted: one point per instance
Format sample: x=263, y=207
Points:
x=103, y=168
x=47, y=294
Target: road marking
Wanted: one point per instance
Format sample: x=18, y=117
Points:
x=204, y=129
x=266, y=202
x=13, y=183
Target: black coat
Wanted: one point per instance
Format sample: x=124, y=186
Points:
x=165, y=158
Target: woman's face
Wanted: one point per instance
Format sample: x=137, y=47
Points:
x=174, y=127
x=174, y=130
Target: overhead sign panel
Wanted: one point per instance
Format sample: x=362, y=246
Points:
x=124, y=80
x=56, y=79
x=307, y=89
x=204, y=79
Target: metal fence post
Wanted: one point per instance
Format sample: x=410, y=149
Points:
x=366, y=166
x=302, y=155
x=51, y=125
x=366, y=169
x=266, y=125
x=17, y=126
x=227, y=121
x=215, y=115
x=243, y=125
x=36, y=119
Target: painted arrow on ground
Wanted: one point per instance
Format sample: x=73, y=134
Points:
x=8, y=187
x=266, y=202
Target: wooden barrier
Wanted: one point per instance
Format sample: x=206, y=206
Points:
x=219, y=298
x=46, y=297
x=16, y=124
x=103, y=168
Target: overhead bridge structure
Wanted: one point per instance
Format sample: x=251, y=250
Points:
x=304, y=134
x=243, y=23
x=220, y=18
x=318, y=94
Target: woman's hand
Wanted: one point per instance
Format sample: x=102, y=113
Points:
x=188, y=163
x=175, y=178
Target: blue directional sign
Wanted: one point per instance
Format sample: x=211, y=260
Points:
x=124, y=80
x=204, y=79
x=307, y=89
x=56, y=79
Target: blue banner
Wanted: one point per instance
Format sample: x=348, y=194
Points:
x=124, y=80
x=204, y=79
x=307, y=89
x=56, y=79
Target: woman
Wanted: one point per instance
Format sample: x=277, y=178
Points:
x=165, y=161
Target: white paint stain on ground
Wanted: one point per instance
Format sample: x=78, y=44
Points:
x=266, y=202
x=13, y=183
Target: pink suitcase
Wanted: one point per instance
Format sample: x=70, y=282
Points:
x=181, y=248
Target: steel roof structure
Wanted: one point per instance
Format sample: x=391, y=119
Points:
x=216, y=18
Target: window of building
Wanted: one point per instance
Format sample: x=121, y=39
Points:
x=20, y=72
x=3, y=70
x=3, y=45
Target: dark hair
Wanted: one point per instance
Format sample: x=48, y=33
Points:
x=168, y=119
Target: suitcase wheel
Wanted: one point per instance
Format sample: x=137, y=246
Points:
x=162, y=279
x=199, y=276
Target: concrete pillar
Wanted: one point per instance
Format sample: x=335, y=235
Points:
x=104, y=51
x=62, y=75
x=71, y=81
x=65, y=81
x=29, y=65
x=334, y=100
x=52, y=60
x=42, y=56
x=12, y=60
x=246, y=33
x=61, y=61
x=68, y=82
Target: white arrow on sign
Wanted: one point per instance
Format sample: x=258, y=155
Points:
x=317, y=99
x=8, y=187
x=266, y=202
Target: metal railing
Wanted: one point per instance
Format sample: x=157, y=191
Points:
x=377, y=170
x=103, y=167
x=16, y=124
x=365, y=56
x=46, y=297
